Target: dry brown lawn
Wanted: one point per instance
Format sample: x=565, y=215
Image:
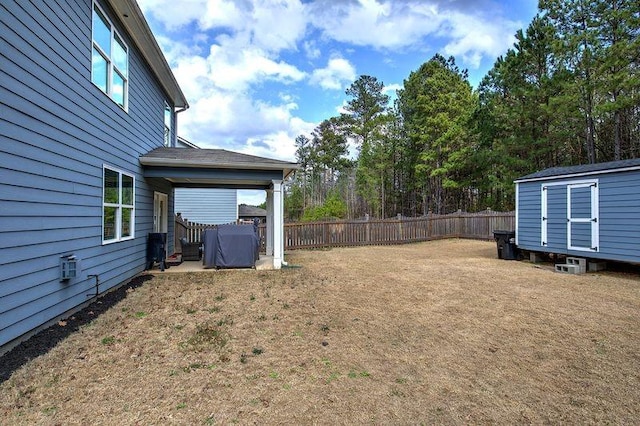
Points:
x=438, y=332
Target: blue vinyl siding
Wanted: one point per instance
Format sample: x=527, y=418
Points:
x=212, y=206
x=618, y=216
x=529, y=216
x=556, y=219
x=57, y=130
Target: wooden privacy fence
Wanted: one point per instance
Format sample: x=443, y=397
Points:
x=192, y=231
x=397, y=231
x=376, y=232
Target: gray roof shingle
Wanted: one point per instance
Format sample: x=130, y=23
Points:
x=245, y=210
x=555, y=172
x=212, y=158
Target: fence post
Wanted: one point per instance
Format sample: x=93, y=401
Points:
x=367, y=228
x=325, y=233
x=179, y=231
x=488, y=213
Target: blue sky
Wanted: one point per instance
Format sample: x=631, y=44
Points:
x=259, y=73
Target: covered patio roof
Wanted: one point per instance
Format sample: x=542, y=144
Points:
x=214, y=168
x=218, y=168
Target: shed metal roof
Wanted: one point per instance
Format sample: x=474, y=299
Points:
x=582, y=170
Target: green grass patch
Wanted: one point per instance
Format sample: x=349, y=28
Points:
x=208, y=336
x=108, y=341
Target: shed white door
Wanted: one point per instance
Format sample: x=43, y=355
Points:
x=582, y=216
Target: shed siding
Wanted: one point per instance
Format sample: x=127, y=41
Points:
x=212, y=206
x=57, y=130
x=618, y=216
x=528, y=216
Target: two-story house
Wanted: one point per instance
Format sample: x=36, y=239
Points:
x=88, y=157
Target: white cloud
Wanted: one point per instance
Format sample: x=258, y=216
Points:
x=473, y=33
x=311, y=49
x=278, y=24
x=236, y=69
x=193, y=75
x=342, y=108
x=171, y=16
x=234, y=121
x=335, y=75
x=392, y=91
x=474, y=38
x=232, y=115
x=219, y=13
x=392, y=88
x=386, y=24
x=271, y=25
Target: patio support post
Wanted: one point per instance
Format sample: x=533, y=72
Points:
x=269, y=234
x=278, y=224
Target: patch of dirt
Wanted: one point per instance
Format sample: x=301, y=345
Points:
x=47, y=339
x=436, y=332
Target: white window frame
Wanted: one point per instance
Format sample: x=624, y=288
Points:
x=119, y=207
x=544, y=217
x=112, y=69
x=593, y=220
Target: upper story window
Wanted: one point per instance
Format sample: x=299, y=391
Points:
x=109, y=59
x=118, y=206
x=168, y=119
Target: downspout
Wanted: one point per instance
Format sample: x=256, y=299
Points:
x=176, y=112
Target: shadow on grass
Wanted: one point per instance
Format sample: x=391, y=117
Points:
x=45, y=340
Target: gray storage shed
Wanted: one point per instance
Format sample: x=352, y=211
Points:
x=590, y=211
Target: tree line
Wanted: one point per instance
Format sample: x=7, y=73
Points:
x=566, y=93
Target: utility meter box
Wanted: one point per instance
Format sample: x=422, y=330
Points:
x=68, y=267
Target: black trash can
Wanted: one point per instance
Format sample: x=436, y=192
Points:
x=156, y=249
x=506, y=244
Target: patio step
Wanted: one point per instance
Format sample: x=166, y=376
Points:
x=580, y=262
x=567, y=268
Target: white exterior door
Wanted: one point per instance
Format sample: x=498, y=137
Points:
x=160, y=211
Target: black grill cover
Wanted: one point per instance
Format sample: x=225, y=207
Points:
x=230, y=246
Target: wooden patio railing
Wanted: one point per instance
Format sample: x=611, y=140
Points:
x=302, y=235
x=189, y=230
